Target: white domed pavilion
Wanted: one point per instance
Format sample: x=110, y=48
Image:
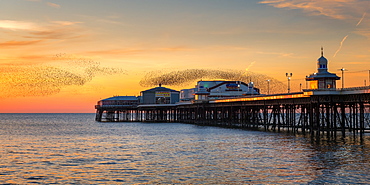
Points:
x=322, y=79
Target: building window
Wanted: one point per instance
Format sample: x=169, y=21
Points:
x=163, y=100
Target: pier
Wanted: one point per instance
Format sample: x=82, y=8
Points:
x=344, y=111
x=323, y=109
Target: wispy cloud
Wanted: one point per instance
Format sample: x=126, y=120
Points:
x=227, y=47
x=351, y=11
x=135, y=51
x=228, y=31
x=277, y=53
x=49, y=30
x=173, y=49
x=363, y=31
x=337, y=9
x=33, y=26
x=18, y=43
x=60, y=33
x=19, y=60
x=18, y=25
x=65, y=23
x=53, y=5
x=116, y=52
x=110, y=21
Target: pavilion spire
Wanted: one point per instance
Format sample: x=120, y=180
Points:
x=322, y=51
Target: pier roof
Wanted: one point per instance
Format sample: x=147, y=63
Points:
x=155, y=89
x=121, y=98
x=322, y=75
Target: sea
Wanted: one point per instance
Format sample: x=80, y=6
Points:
x=75, y=149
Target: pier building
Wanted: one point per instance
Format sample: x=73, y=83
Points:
x=159, y=95
x=208, y=90
x=109, y=107
x=322, y=79
x=117, y=101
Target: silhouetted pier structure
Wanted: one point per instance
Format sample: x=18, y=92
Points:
x=314, y=112
x=321, y=110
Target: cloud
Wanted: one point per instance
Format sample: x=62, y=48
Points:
x=351, y=11
x=337, y=9
x=49, y=30
x=53, y=5
x=364, y=32
x=110, y=21
x=135, y=51
x=18, y=43
x=22, y=59
x=116, y=52
x=58, y=30
x=276, y=53
x=59, y=33
x=65, y=23
x=228, y=31
x=18, y=25
x=173, y=49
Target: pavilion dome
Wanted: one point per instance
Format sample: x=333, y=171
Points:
x=322, y=60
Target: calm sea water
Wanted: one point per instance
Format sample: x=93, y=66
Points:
x=74, y=149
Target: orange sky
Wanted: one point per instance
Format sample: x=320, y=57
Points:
x=64, y=56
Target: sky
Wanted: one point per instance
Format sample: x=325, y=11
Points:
x=62, y=56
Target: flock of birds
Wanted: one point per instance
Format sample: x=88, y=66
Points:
x=191, y=76
x=50, y=78
x=66, y=70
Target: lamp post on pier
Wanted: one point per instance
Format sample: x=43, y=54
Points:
x=306, y=82
x=289, y=75
x=342, y=69
x=268, y=86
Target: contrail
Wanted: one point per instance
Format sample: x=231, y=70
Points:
x=247, y=69
x=341, y=44
x=359, y=22
x=250, y=65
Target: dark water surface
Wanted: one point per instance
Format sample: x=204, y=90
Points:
x=74, y=149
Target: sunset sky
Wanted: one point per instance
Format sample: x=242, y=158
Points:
x=65, y=55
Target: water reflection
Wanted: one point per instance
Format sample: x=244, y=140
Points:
x=74, y=149
x=338, y=158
